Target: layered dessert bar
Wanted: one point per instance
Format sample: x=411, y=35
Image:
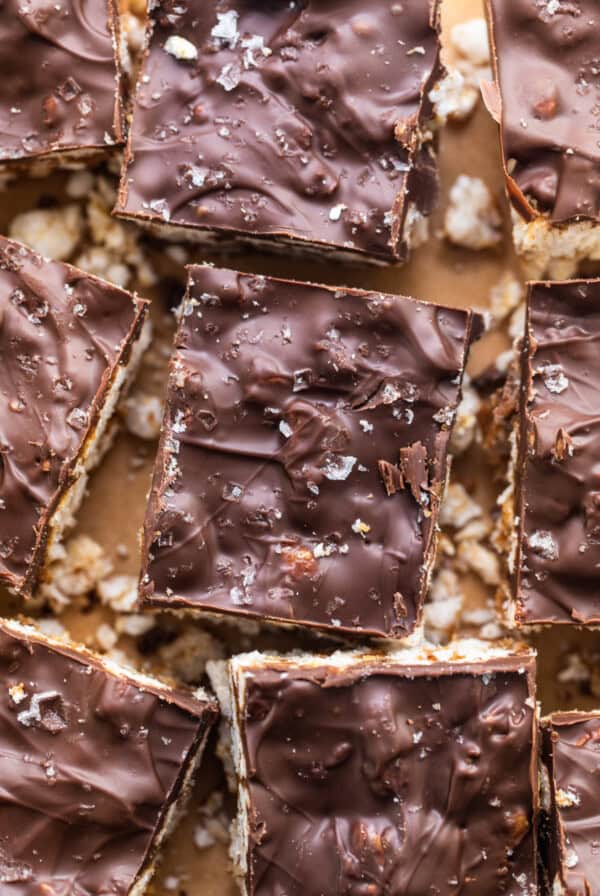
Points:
x=303, y=454
x=571, y=803
x=545, y=99
x=95, y=763
x=69, y=343
x=556, y=565
x=61, y=102
x=406, y=772
x=288, y=126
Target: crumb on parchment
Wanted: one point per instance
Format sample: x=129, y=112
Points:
x=472, y=220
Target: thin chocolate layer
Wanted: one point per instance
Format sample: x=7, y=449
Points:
x=59, y=78
x=546, y=58
x=391, y=781
x=89, y=764
x=303, y=453
x=63, y=335
x=571, y=752
x=298, y=120
x=558, y=493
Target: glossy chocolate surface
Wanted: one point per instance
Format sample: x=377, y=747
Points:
x=398, y=782
x=558, y=493
x=59, y=77
x=62, y=335
x=304, y=449
x=299, y=119
x=547, y=66
x=89, y=762
x=572, y=755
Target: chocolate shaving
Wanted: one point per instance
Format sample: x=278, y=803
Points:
x=414, y=469
x=393, y=480
x=563, y=446
x=400, y=605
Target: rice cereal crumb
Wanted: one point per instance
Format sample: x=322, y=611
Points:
x=471, y=42
x=505, y=296
x=472, y=219
x=214, y=823
x=480, y=560
x=75, y=570
x=453, y=98
x=187, y=655
x=53, y=232
x=106, y=637
x=458, y=507
x=119, y=592
x=134, y=625
x=442, y=611
x=465, y=425
x=143, y=415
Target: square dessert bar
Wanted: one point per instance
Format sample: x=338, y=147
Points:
x=545, y=98
x=69, y=343
x=557, y=485
x=303, y=453
x=570, y=842
x=95, y=762
x=296, y=123
x=411, y=772
x=61, y=96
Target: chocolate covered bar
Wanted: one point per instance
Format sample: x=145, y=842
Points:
x=69, y=343
x=61, y=101
x=409, y=772
x=545, y=98
x=95, y=762
x=557, y=498
x=300, y=125
x=303, y=453
x=570, y=842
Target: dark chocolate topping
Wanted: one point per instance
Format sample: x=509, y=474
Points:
x=291, y=118
x=558, y=503
x=89, y=763
x=397, y=783
x=59, y=68
x=572, y=754
x=62, y=335
x=303, y=452
x=547, y=61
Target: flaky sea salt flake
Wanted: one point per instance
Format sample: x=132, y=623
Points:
x=339, y=466
x=554, y=378
x=542, y=543
x=226, y=29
